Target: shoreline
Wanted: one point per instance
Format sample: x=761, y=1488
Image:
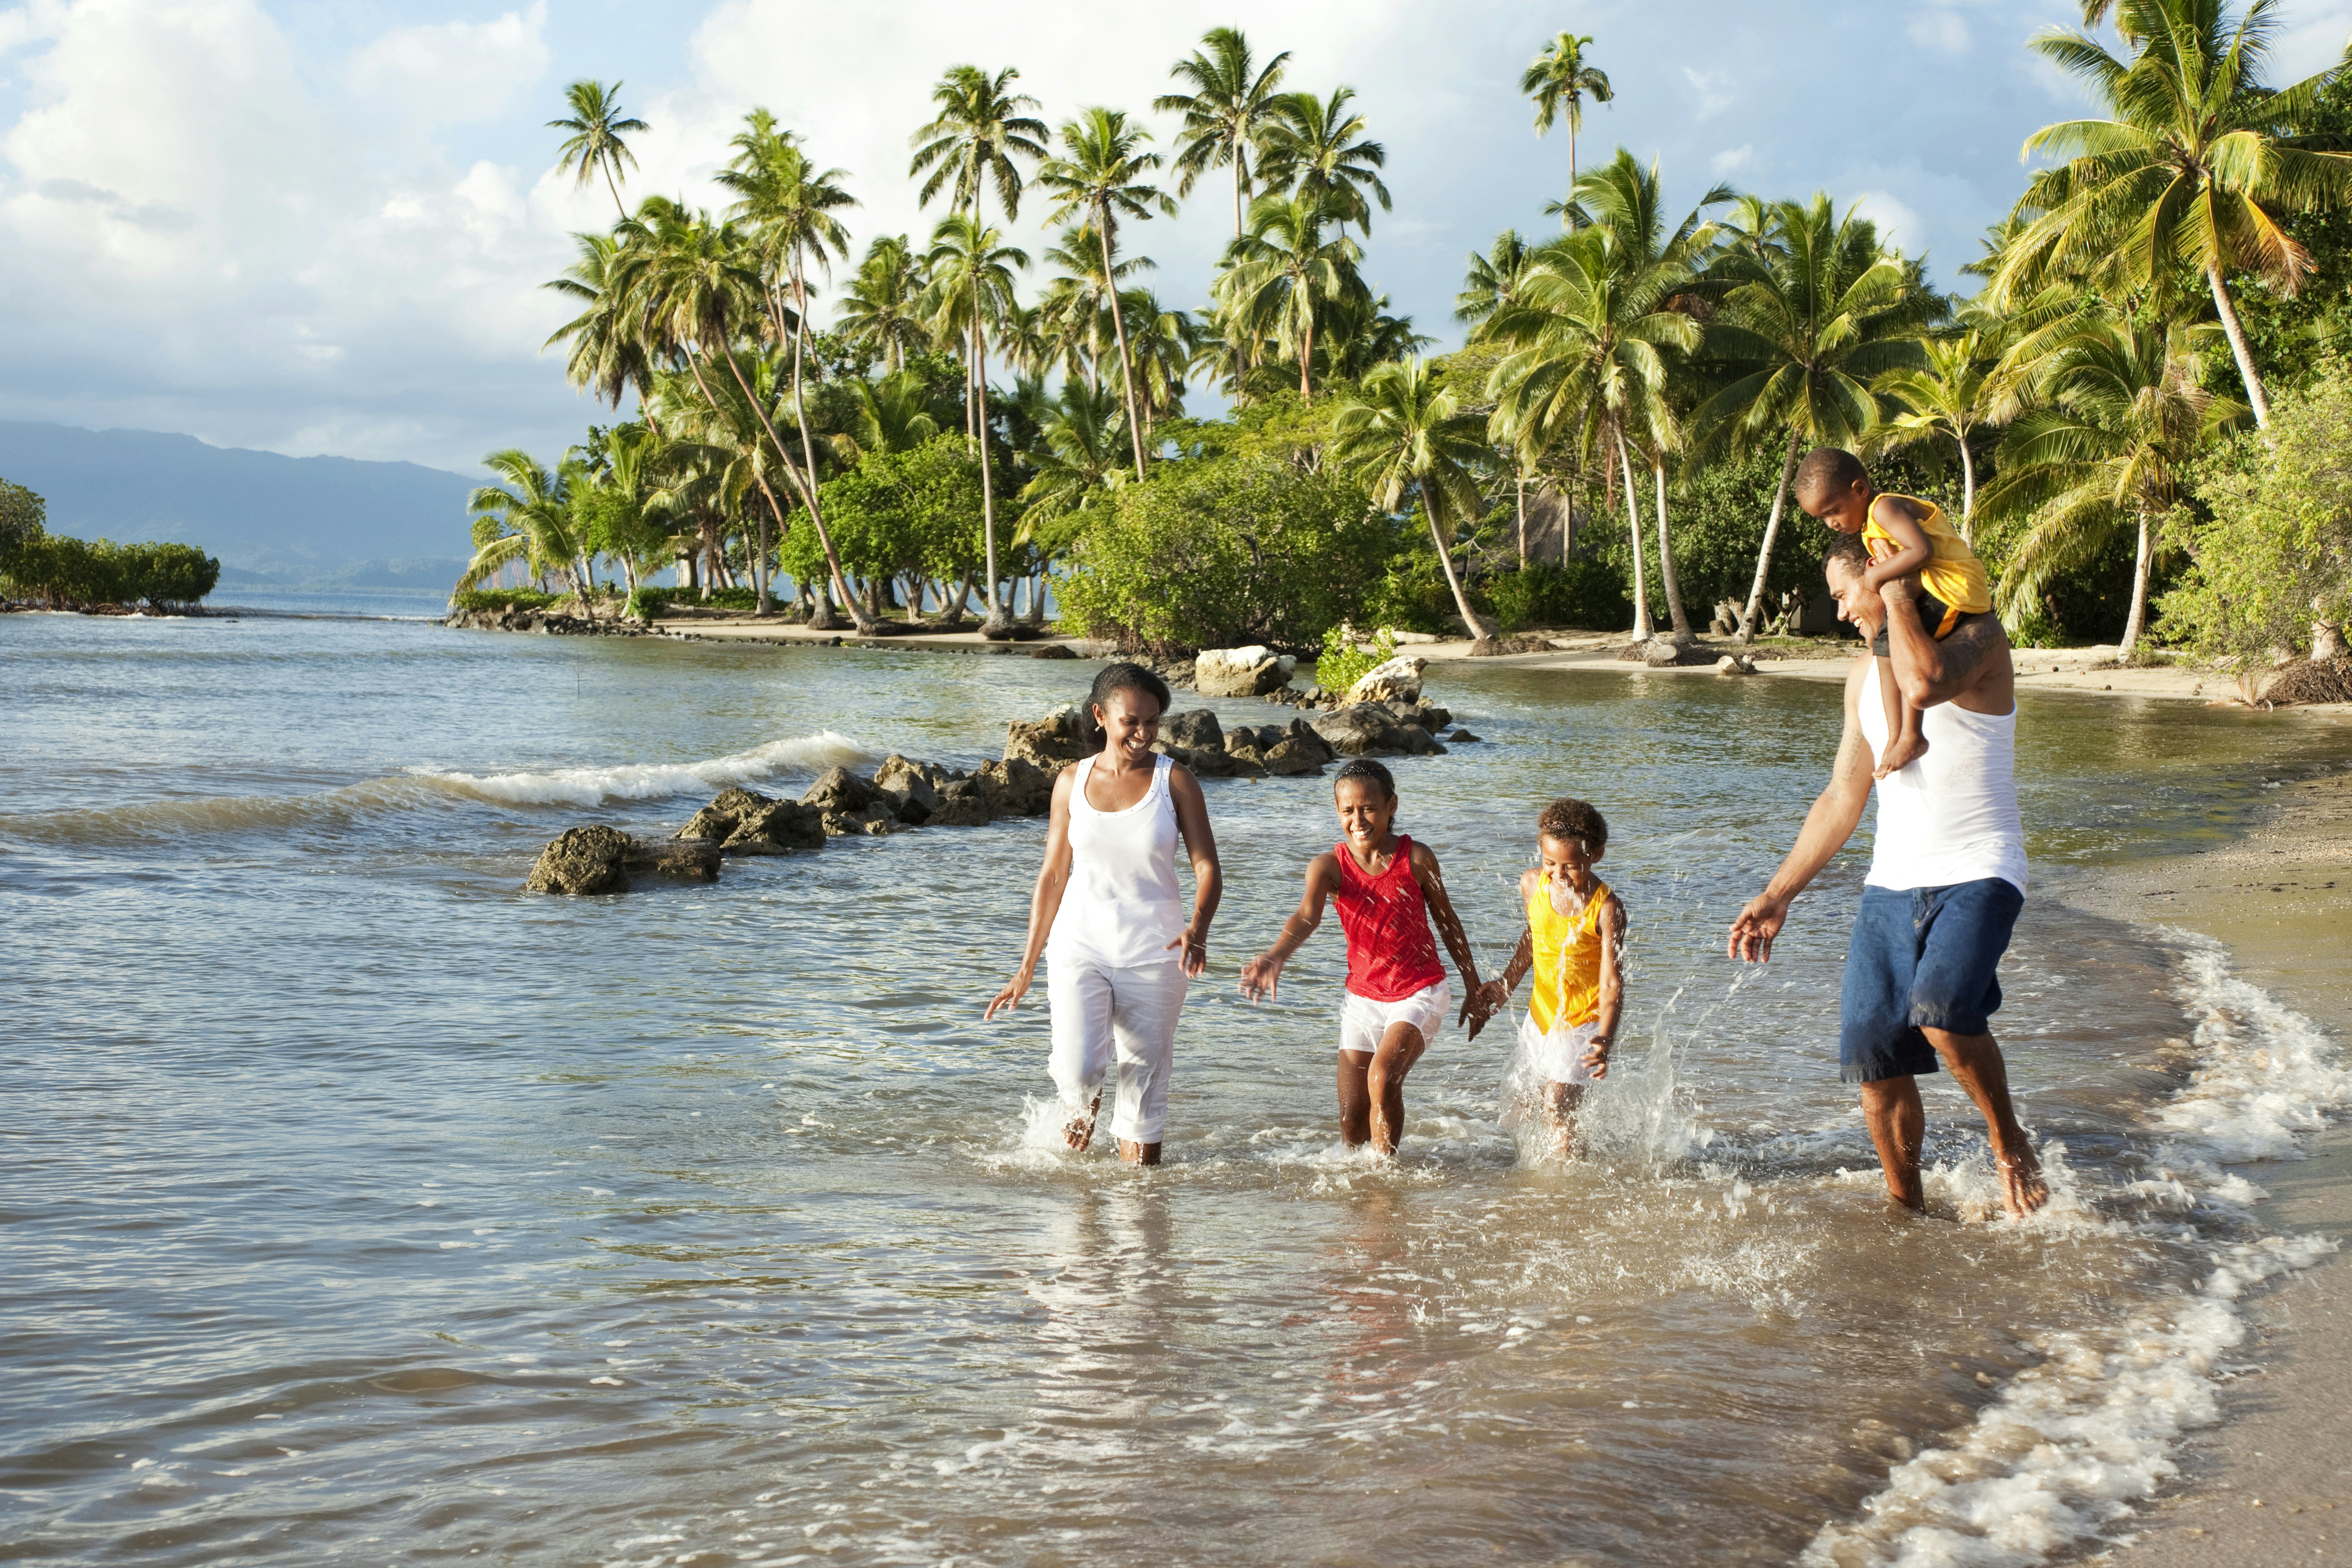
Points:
x=2271, y=1481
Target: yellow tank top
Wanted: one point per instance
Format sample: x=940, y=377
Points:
x=1567, y=958
x=1955, y=575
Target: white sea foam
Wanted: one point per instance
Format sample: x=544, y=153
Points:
x=657, y=781
x=2072, y=1444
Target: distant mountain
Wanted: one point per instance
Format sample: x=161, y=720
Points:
x=269, y=518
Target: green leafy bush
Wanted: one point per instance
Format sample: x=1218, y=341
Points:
x=63, y=571
x=1216, y=550
x=502, y=599
x=1587, y=592
x=1342, y=663
x=651, y=602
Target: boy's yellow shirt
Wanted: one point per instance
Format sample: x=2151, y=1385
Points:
x=1955, y=575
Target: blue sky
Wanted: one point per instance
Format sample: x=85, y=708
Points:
x=321, y=228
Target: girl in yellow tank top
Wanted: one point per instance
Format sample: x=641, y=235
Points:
x=1572, y=943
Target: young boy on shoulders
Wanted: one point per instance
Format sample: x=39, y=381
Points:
x=1574, y=941
x=1904, y=535
x=1387, y=887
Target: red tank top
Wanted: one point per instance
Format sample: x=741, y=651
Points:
x=1391, y=953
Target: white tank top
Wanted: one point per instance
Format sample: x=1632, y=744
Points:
x=1122, y=907
x=1951, y=815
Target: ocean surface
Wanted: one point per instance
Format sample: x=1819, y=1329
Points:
x=360, y=1208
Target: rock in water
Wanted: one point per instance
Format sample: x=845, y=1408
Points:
x=1053, y=742
x=1397, y=680
x=1369, y=728
x=779, y=828
x=1251, y=671
x=1052, y=650
x=1016, y=787
x=911, y=789
x=718, y=821
x=838, y=789
x=1735, y=664
x=1195, y=730
x=582, y=860
x=598, y=860
x=875, y=818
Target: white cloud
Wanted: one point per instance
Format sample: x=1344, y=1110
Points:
x=452, y=72
x=1731, y=160
x=1940, y=29
x=1712, y=91
x=1897, y=223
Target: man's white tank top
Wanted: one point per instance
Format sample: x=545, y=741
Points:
x=1122, y=907
x=1951, y=815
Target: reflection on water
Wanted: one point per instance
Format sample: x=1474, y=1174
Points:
x=360, y=1206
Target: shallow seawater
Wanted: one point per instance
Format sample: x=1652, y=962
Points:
x=360, y=1207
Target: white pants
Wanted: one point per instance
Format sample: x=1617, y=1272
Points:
x=1104, y=1015
x=1364, y=1023
x=1557, y=1056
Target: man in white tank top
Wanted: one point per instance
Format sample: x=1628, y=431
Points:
x=1946, y=879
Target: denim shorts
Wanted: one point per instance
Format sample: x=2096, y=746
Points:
x=1921, y=957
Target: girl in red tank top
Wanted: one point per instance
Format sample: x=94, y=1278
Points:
x=1387, y=887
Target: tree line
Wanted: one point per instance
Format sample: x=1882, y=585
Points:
x=60, y=573
x=2092, y=413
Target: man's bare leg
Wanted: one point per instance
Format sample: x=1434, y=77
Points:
x=1560, y=1100
x=1384, y=1083
x=1136, y=1154
x=1079, y=1131
x=1898, y=1125
x=1975, y=1065
x=1355, y=1100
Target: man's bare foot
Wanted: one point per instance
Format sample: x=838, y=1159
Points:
x=1080, y=1129
x=2023, y=1190
x=1901, y=752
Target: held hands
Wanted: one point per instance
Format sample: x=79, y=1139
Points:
x=1758, y=924
x=1196, y=952
x=1261, y=977
x=1015, y=989
x=1484, y=1002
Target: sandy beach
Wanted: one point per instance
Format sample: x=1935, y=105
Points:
x=2272, y=1482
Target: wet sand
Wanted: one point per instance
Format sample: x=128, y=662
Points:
x=2272, y=1482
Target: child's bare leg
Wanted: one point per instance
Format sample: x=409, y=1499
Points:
x=1384, y=1083
x=1908, y=744
x=1079, y=1131
x=1560, y=1100
x=1355, y=1100
x=1136, y=1154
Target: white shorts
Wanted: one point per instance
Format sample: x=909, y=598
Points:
x=1557, y=1056
x=1107, y=1016
x=1364, y=1022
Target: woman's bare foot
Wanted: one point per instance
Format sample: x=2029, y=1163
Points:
x=2023, y=1190
x=1080, y=1129
x=1901, y=752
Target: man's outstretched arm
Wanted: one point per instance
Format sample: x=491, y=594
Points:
x=1836, y=812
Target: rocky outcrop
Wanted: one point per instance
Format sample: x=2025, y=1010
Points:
x=600, y=859
x=839, y=790
x=1194, y=729
x=1250, y=671
x=547, y=623
x=1497, y=648
x=1055, y=741
x=1016, y=787
x=1396, y=680
x=1282, y=751
x=1371, y=728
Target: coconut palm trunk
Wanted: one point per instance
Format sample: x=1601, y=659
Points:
x=1519, y=476
x=1642, y=630
x=1118, y=325
x=2141, y=571
x=1771, y=535
x=1432, y=505
x=808, y=452
x=1968, y=493
x=996, y=621
x=2257, y=397
x=1675, y=614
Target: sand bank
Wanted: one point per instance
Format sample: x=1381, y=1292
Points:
x=2272, y=1483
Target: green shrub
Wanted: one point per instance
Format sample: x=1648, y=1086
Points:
x=1411, y=593
x=501, y=599
x=1342, y=663
x=1215, y=552
x=1588, y=591
x=60, y=571
x=651, y=602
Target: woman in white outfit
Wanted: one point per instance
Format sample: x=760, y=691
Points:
x=1110, y=920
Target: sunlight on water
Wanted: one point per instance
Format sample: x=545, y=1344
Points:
x=364, y=1207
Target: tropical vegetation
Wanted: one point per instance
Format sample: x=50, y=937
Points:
x=60, y=573
x=949, y=428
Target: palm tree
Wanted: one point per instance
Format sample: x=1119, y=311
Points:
x=1074, y=313
x=1226, y=115
x=880, y=310
x=975, y=136
x=528, y=519
x=608, y=354
x=895, y=412
x=1814, y=310
x=1559, y=81
x=595, y=144
x=972, y=286
x=1945, y=399
x=1493, y=280
x=1403, y=431
x=1103, y=177
x=789, y=205
x=1313, y=149
x=2192, y=168
x=2119, y=416
x=1281, y=274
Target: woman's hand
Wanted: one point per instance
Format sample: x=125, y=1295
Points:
x=1195, y=944
x=1261, y=977
x=1485, y=1002
x=1596, y=1056
x=1015, y=989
